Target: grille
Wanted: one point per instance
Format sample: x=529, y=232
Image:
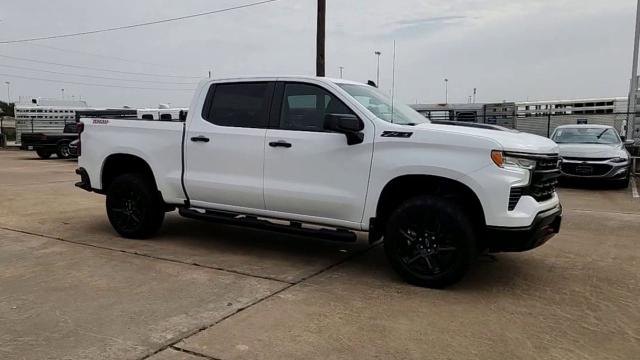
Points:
x=544, y=180
x=514, y=197
x=585, y=159
x=586, y=169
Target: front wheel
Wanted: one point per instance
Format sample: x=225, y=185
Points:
x=622, y=183
x=430, y=241
x=43, y=154
x=63, y=151
x=134, y=208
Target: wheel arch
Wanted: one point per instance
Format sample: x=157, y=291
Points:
x=404, y=187
x=118, y=164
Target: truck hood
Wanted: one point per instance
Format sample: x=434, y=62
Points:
x=604, y=151
x=510, y=140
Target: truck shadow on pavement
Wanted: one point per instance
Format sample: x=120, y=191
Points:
x=284, y=257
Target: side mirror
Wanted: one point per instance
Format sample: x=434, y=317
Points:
x=628, y=142
x=347, y=124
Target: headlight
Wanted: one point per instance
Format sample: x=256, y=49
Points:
x=620, y=160
x=506, y=161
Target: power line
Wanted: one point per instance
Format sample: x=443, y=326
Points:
x=96, y=69
x=102, y=56
x=88, y=84
x=140, y=24
x=95, y=76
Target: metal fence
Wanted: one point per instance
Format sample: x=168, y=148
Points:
x=542, y=124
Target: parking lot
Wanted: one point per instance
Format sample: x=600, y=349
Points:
x=70, y=288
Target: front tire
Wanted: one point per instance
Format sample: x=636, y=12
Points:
x=622, y=183
x=134, y=207
x=63, y=151
x=430, y=241
x=43, y=154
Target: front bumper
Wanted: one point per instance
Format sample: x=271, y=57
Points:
x=545, y=225
x=590, y=169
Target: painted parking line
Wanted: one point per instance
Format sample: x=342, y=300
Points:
x=634, y=189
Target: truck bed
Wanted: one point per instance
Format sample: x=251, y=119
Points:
x=157, y=142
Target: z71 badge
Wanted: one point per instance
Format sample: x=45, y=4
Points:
x=100, y=121
x=397, y=134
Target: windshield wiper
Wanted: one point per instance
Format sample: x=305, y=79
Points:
x=602, y=133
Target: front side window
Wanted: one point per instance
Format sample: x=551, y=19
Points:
x=305, y=106
x=586, y=135
x=239, y=105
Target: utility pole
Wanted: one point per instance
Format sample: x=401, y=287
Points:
x=378, y=53
x=341, y=69
x=320, y=38
x=62, y=91
x=475, y=92
x=633, y=92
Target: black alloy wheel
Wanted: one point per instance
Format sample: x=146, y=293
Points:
x=430, y=241
x=134, y=207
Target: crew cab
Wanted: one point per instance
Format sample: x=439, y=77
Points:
x=46, y=145
x=329, y=158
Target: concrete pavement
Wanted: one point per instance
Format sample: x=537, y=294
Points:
x=71, y=288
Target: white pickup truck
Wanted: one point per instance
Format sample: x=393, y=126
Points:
x=329, y=157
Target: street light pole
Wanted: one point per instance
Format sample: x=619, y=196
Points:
x=341, y=69
x=8, y=91
x=446, y=91
x=62, y=91
x=378, y=53
x=633, y=92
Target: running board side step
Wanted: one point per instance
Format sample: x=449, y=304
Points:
x=294, y=228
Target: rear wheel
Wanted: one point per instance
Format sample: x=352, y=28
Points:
x=430, y=241
x=134, y=208
x=43, y=154
x=63, y=151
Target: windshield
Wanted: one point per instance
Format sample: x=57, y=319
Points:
x=586, y=136
x=380, y=105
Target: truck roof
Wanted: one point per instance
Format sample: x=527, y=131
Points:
x=285, y=78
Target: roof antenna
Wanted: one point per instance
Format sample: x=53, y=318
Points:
x=393, y=81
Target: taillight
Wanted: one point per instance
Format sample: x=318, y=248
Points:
x=79, y=130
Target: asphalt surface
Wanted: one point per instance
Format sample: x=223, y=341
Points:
x=70, y=288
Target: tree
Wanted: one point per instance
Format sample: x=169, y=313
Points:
x=7, y=109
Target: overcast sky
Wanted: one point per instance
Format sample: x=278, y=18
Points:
x=508, y=49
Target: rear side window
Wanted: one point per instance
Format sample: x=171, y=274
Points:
x=239, y=105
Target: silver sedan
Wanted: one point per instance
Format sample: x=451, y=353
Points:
x=593, y=152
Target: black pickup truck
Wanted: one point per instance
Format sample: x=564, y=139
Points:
x=47, y=144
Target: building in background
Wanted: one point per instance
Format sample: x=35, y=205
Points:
x=536, y=117
x=542, y=117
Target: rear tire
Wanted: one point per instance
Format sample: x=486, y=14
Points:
x=430, y=242
x=134, y=207
x=43, y=154
x=63, y=151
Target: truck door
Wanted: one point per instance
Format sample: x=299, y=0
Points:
x=224, y=147
x=308, y=170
